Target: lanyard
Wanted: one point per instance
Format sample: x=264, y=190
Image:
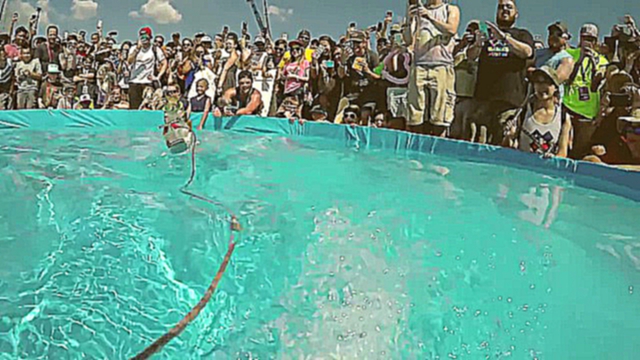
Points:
x=584, y=70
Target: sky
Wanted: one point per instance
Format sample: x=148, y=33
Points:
x=320, y=16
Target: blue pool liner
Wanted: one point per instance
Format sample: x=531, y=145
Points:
x=594, y=176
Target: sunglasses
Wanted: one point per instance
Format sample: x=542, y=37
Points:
x=296, y=49
x=350, y=116
x=280, y=49
x=304, y=38
x=505, y=7
x=144, y=37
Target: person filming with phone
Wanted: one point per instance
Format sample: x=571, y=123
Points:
x=504, y=54
x=431, y=94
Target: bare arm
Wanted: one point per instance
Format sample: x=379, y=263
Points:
x=520, y=49
x=205, y=114
x=565, y=69
x=453, y=21
x=563, y=142
x=163, y=68
x=253, y=105
x=474, y=50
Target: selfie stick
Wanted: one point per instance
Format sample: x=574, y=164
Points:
x=2, y=9
x=38, y=10
x=265, y=6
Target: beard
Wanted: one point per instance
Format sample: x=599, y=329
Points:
x=506, y=23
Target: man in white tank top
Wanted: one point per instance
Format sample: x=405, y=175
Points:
x=431, y=94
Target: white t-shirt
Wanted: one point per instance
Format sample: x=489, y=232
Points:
x=144, y=65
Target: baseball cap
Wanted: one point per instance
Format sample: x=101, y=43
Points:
x=560, y=25
x=206, y=38
x=145, y=31
x=259, y=39
x=53, y=69
x=589, y=30
x=396, y=28
x=304, y=33
x=357, y=36
x=85, y=98
x=296, y=42
x=545, y=72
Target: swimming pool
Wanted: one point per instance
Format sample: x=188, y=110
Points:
x=346, y=252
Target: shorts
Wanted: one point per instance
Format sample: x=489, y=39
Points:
x=432, y=96
x=495, y=117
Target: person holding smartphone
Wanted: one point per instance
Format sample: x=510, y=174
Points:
x=504, y=54
x=324, y=78
x=431, y=95
x=582, y=95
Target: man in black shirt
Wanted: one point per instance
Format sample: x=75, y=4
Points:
x=356, y=70
x=505, y=52
x=49, y=52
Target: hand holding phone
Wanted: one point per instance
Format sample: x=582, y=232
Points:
x=15, y=17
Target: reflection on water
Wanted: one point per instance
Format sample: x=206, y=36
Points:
x=345, y=254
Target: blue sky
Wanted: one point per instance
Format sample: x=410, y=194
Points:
x=320, y=16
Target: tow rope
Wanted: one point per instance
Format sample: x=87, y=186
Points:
x=195, y=311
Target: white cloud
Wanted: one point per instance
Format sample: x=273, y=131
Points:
x=161, y=11
x=26, y=8
x=281, y=13
x=84, y=9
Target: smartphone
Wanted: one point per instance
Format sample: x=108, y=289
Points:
x=620, y=100
x=329, y=64
x=484, y=29
x=113, y=33
x=352, y=25
x=390, y=13
x=244, y=27
x=319, y=51
x=358, y=64
x=99, y=26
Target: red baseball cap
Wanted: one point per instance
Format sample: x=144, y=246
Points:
x=146, y=30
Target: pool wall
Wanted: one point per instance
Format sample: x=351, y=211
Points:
x=598, y=177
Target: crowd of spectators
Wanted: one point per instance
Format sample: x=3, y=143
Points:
x=491, y=82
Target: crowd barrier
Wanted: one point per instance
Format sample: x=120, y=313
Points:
x=594, y=176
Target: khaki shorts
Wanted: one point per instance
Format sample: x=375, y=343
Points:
x=432, y=96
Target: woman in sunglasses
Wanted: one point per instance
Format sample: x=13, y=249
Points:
x=296, y=75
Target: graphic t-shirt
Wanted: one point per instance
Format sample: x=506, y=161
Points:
x=27, y=83
x=578, y=96
x=299, y=69
x=144, y=64
x=502, y=74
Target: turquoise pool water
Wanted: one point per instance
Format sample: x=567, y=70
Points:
x=346, y=253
